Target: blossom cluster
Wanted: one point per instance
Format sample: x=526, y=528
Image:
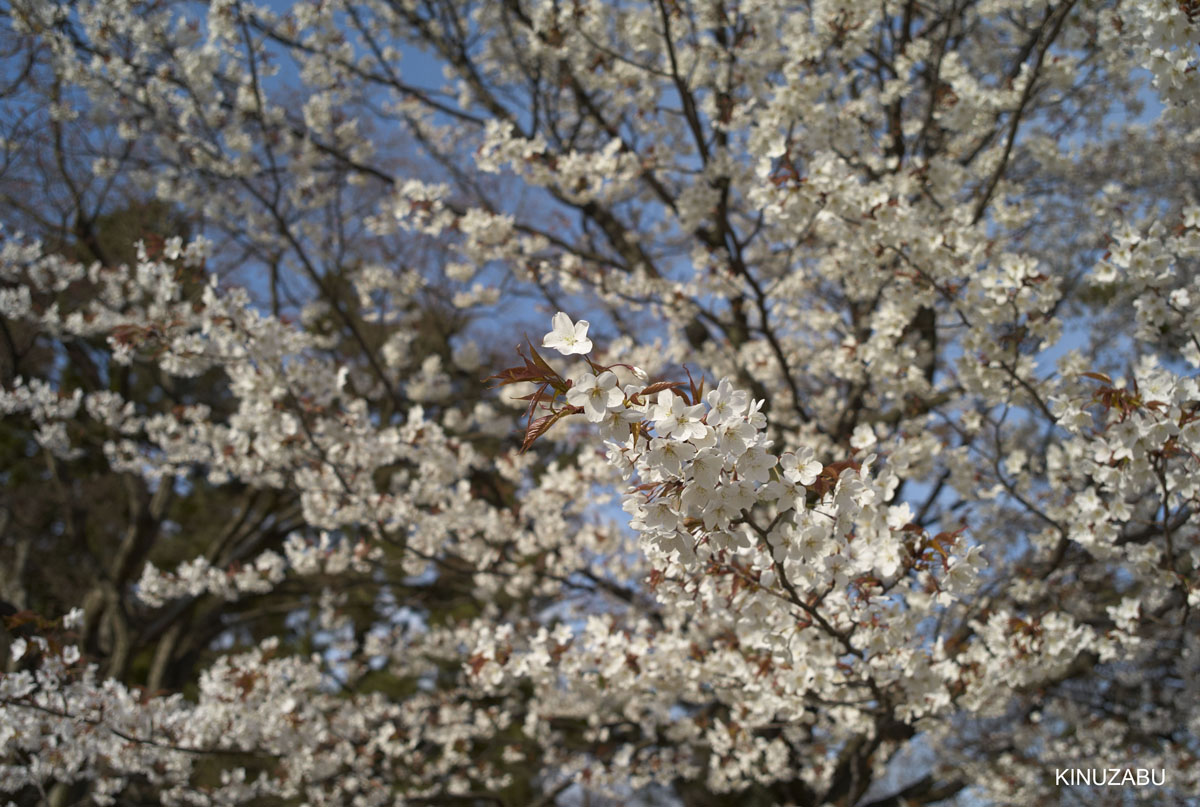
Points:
x=878, y=444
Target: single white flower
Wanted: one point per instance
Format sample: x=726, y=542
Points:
x=800, y=467
x=726, y=504
x=615, y=424
x=73, y=618
x=811, y=545
x=863, y=437
x=725, y=403
x=673, y=417
x=669, y=455
x=596, y=394
x=568, y=337
x=706, y=468
x=734, y=437
x=786, y=492
x=756, y=464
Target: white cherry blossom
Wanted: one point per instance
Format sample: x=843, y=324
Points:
x=597, y=394
x=567, y=337
x=893, y=454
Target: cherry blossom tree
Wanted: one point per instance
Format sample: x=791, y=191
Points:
x=540, y=402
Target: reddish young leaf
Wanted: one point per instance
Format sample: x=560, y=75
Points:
x=540, y=426
x=515, y=375
x=659, y=386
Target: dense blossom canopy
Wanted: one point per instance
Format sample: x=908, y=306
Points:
x=857, y=465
